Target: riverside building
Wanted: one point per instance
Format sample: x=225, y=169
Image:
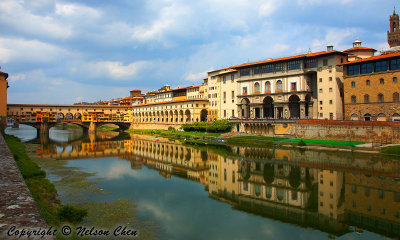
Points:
x=3, y=100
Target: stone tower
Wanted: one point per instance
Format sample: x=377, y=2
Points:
x=393, y=35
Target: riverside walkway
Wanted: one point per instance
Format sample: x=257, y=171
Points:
x=17, y=207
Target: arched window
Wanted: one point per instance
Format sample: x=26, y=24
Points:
x=380, y=97
x=394, y=27
x=395, y=97
x=354, y=116
x=268, y=87
x=366, y=98
x=279, y=86
x=257, y=88
x=368, y=82
x=353, y=99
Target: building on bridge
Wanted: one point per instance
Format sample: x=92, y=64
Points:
x=3, y=100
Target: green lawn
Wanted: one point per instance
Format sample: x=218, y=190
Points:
x=323, y=142
x=392, y=150
x=173, y=134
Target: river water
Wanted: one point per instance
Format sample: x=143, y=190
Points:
x=169, y=190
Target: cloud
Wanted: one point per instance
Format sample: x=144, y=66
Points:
x=197, y=76
x=116, y=70
x=17, y=49
x=17, y=77
x=13, y=14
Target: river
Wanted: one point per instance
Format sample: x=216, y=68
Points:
x=169, y=190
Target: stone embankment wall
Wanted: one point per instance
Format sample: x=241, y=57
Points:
x=17, y=207
x=358, y=131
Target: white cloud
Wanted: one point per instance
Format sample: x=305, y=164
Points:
x=116, y=70
x=17, y=77
x=335, y=37
x=76, y=10
x=14, y=14
x=16, y=49
x=198, y=77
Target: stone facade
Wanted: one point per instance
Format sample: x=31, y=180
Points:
x=3, y=101
x=372, y=96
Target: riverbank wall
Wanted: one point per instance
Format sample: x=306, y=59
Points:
x=17, y=207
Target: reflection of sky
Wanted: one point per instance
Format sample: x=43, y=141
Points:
x=24, y=132
x=27, y=133
x=183, y=209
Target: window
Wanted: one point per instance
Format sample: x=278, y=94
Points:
x=279, y=86
x=395, y=80
x=354, y=189
x=225, y=113
x=353, y=99
x=368, y=82
x=267, y=68
x=256, y=70
x=382, y=81
x=330, y=89
x=325, y=62
x=353, y=70
x=395, y=97
x=245, y=72
x=367, y=192
x=381, y=194
x=330, y=102
x=366, y=68
x=224, y=97
x=232, y=77
x=224, y=78
x=244, y=90
x=353, y=84
x=320, y=90
x=381, y=66
x=380, y=97
x=366, y=98
x=311, y=63
x=293, y=87
x=257, y=88
x=267, y=87
x=279, y=67
x=320, y=102
x=233, y=177
x=394, y=64
x=213, y=77
x=233, y=94
x=233, y=113
x=330, y=79
x=320, y=80
x=293, y=65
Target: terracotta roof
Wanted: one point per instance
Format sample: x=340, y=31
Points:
x=284, y=58
x=159, y=103
x=71, y=106
x=3, y=73
x=358, y=48
x=374, y=58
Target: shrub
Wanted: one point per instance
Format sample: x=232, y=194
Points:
x=216, y=126
x=301, y=143
x=71, y=214
x=171, y=129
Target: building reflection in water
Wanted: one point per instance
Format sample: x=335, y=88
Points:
x=322, y=190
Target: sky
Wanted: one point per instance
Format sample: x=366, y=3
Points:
x=63, y=52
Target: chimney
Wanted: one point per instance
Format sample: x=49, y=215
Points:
x=329, y=48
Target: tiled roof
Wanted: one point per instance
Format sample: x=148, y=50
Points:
x=374, y=58
x=358, y=48
x=285, y=58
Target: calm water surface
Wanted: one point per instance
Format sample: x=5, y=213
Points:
x=232, y=193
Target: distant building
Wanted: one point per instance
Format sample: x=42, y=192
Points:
x=3, y=100
x=371, y=88
x=393, y=35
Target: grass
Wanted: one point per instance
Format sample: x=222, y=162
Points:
x=252, y=141
x=391, y=150
x=43, y=191
x=323, y=142
x=68, y=126
x=173, y=134
x=106, y=128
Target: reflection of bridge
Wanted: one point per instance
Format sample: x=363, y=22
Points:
x=44, y=116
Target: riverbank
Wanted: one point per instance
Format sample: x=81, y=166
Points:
x=246, y=140
x=43, y=191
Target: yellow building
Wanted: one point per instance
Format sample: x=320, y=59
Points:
x=3, y=100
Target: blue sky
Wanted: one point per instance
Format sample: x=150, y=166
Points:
x=63, y=52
